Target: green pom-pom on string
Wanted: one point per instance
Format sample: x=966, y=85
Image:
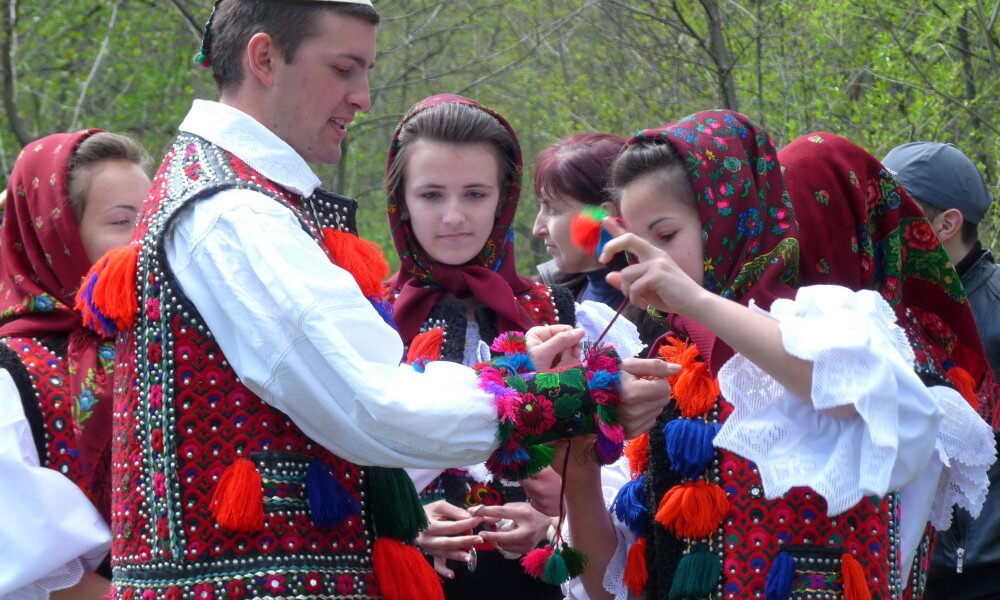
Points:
x=556, y=572
x=576, y=561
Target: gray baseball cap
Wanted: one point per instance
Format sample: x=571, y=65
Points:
x=940, y=175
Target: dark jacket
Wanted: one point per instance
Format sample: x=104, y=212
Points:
x=966, y=561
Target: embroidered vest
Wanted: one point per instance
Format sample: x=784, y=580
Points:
x=182, y=418
x=755, y=531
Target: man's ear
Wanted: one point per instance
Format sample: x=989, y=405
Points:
x=948, y=224
x=261, y=55
x=611, y=208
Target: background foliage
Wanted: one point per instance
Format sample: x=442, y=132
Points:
x=881, y=72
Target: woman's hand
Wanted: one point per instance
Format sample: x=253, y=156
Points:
x=554, y=346
x=543, y=489
x=448, y=535
x=656, y=280
x=530, y=527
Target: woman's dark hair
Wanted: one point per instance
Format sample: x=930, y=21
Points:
x=454, y=123
x=648, y=157
x=578, y=166
x=289, y=23
x=96, y=149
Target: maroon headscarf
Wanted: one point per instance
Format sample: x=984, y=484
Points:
x=491, y=277
x=748, y=226
x=865, y=232
x=42, y=262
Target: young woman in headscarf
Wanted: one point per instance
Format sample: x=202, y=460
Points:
x=453, y=181
x=865, y=232
x=800, y=425
x=71, y=197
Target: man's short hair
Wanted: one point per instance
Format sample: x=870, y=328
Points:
x=288, y=22
x=970, y=231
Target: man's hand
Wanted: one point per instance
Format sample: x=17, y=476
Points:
x=530, y=527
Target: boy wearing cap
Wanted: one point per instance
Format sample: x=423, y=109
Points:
x=258, y=377
x=954, y=197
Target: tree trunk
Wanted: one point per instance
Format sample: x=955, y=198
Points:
x=720, y=55
x=17, y=125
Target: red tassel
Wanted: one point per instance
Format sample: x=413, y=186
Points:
x=965, y=385
x=680, y=353
x=238, y=501
x=695, y=390
x=585, y=228
x=637, y=452
x=855, y=584
x=534, y=561
x=361, y=258
x=636, y=573
x=113, y=293
x=694, y=509
x=426, y=346
x=403, y=573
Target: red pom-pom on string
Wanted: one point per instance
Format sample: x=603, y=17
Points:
x=585, y=228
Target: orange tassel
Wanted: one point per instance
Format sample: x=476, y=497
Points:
x=238, y=501
x=680, y=353
x=403, y=573
x=361, y=258
x=637, y=453
x=965, y=385
x=694, y=509
x=114, y=290
x=695, y=390
x=855, y=584
x=426, y=345
x=636, y=574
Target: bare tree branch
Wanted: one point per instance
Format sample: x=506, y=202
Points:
x=95, y=67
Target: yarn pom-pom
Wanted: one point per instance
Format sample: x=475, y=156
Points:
x=585, y=228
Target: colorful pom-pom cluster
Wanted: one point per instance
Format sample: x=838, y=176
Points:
x=535, y=408
x=586, y=231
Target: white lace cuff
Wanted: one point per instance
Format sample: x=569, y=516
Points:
x=871, y=423
x=593, y=317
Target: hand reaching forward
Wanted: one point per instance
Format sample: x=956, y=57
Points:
x=554, y=346
x=656, y=280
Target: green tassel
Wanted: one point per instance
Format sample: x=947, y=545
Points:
x=556, y=572
x=541, y=457
x=395, y=507
x=607, y=414
x=576, y=561
x=697, y=574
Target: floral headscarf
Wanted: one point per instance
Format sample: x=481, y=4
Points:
x=491, y=276
x=748, y=226
x=865, y=232
x=42, y=262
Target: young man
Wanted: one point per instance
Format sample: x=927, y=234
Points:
x=954, y=196
x=259, y=376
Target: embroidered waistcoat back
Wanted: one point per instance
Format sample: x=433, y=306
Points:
x=182, y=417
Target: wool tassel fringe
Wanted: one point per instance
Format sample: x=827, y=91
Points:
x=637, y=453
x=403, y=573
x=694, y=509
x=697, y=575
x=630, y=505
x=689, y=446
x=330, y=504
x=780, y=578
x=855, y=584
x=108, y=300
x=238, y=501
x=395, y=507
x=965, y=385
x=361, y=258
x=554, y=566
x=695, y=390
x=636, y=573
x=425, y=348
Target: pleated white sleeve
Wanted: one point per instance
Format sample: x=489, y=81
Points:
x=49, y=531
x=300, y=335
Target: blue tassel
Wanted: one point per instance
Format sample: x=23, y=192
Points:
x=602, y=380
x=689, y=446
x=780, y=578
x=605, y=238
x=329, y=503
x=630, y=505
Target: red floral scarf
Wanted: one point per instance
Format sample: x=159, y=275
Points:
x=491, y=276
x=749, y=228
x=865, y=232
x=42, y=262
